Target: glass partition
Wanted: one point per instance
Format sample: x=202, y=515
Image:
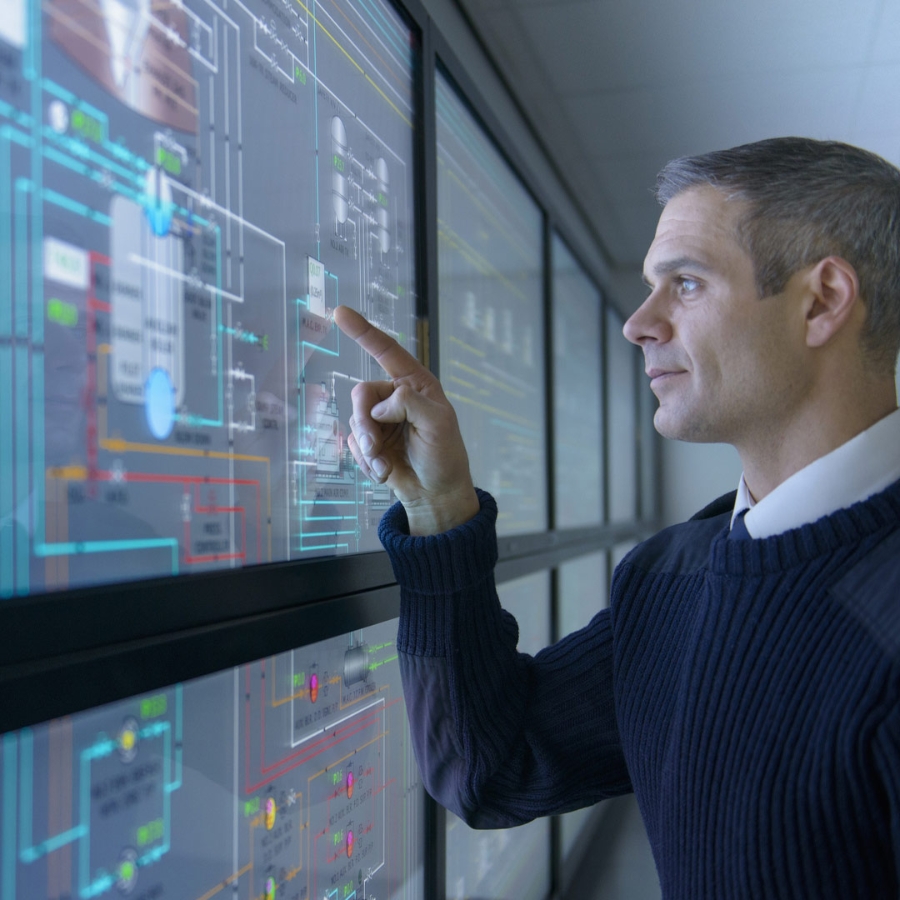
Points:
x=622, y=421
x=577, y=393
x=490, y=313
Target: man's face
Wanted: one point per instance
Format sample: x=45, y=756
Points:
x=724, y=364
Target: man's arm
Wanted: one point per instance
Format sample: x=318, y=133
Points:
x=500, y=737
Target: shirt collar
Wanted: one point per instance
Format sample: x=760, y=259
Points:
x=859, y=468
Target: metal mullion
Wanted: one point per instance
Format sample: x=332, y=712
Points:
x=435, y=845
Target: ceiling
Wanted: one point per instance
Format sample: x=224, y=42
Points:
x=615, y=89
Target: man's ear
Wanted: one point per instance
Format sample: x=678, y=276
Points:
x=833, y=299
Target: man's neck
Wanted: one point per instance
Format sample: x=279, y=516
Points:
x=772, y=458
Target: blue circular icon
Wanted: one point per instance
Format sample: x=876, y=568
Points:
x=159, y=398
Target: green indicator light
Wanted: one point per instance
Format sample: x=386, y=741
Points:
x=171, y=162
x=87, y=126
x=126, y=870
x=62, y=313
x=338, y=163
x=152, y=707
x=299, y=679
x=150, y=832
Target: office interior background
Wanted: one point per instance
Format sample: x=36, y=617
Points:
x=201, y=698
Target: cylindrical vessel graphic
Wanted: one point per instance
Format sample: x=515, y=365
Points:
x=382, y=216
x=356, y=664
x=340, y=194
x=328, y=449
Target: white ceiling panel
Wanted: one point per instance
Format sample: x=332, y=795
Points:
x=886, y=44
x=593, y=45
x=630, y=181
x=679, y=120
x=878, y=109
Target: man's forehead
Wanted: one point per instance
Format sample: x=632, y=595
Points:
x=697, y=226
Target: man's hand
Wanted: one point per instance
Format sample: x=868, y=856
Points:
x=405, y=434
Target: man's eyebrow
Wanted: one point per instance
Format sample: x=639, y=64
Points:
x=667, y=266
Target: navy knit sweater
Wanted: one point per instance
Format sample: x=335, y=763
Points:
x=747, y=691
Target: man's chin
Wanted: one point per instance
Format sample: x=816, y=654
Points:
x=682, y=426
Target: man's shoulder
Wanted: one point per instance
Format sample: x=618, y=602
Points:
x=870, y=591
x=684, y=548
x=723, y=504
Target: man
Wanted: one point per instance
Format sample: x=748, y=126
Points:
x=745, y=682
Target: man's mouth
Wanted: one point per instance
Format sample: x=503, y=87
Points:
x=658, y=376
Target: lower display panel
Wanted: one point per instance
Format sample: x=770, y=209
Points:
x=289, y=778
x=508, y=863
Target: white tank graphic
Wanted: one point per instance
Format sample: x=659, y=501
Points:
x=382, y=216
x=340, y=163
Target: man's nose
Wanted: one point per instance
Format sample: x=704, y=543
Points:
x=648, y=322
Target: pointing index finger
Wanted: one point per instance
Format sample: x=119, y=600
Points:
x=396, y=361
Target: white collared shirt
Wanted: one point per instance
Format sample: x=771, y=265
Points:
x=863, y=466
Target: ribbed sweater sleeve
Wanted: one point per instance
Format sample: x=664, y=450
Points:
x=886, y=753
x=501, y=737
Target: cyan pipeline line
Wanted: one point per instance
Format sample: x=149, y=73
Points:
x=22, y=568
x=393, y=38
x=28, y=852
x=21, y=118
x=7, y=476
x=10, y=792
x=22, y=186
x=7, y=381
x=67, y=548
x=103, y=748
x=83, y=150
x=78, y=208
x=38, y=437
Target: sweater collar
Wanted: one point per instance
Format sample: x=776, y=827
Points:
x=860, y=468
x=872, y=518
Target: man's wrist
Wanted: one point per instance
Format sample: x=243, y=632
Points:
x=437, y=516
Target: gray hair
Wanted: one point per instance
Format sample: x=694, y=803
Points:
x=806, y=200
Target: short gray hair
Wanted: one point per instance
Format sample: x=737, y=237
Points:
x=806, y=200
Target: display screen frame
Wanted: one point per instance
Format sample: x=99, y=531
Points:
x=56, y=630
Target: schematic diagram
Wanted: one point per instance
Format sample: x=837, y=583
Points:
x=491, y=326
x=289, y=778
x=187, y=190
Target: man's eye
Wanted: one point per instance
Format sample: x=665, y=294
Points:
x=688, y=285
